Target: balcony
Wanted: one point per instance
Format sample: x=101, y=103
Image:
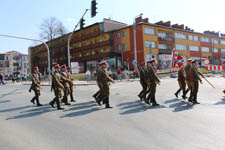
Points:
x=165, y=51
x=86, y=36
x=92, y=46
x=166, y=39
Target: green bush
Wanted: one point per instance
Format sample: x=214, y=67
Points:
x=79, y=76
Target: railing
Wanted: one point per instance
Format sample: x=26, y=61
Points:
x=165, y=51
x=167, y=39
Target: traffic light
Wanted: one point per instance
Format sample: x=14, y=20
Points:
x=93, y=8
x=82, y=23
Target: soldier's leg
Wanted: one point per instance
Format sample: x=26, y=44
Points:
x=196, y=85
x=107, y=103
x=147, y=100
x=58, y=104
x=153, y=91
x=190, y=99
x=144, y=91
x=140, y=95
x=37, y=94
x=177, y=92
x=183, y=89
x=189, y=87
x=71, y=95
x=65, y=97
x=33, y=99
x=53, y=102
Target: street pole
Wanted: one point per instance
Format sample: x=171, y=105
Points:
x=121, y=50
x=29, y=39
x=212, y=52
x=135, y=47
x=70, y=36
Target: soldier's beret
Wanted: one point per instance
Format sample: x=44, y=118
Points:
x=189, y=60
x=36, y=68
x=180, y=64
x=57, y=66
x=103, y=63
x=193, y=61
x=63, y=67
x=68, y=68
x=151, y=60
x=143, y=63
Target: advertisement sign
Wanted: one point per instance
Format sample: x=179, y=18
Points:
x=75, y=67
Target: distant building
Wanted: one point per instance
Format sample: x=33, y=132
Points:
x=13, y=62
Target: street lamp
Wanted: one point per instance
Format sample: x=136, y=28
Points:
x=135, y=44
x=23, y=38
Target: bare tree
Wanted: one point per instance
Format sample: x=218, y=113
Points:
x=51, y=28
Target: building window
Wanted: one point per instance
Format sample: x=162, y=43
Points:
x=222, y=42
x=124, y=34
x=124, y=46
x=181, y=47
x=204, y=39
x=205, y=49
x=194, y=48
x=195, y=38
x=180, y=35
x=215, y=41
x=118, y=35
x=119, y=47
x=161, y=34
x=163, y=46
x=149, y=44
x=215, y=50
x=149, y=31
x=190, y=37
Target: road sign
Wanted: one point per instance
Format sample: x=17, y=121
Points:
x=134, y=62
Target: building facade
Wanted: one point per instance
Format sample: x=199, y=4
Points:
x=88, y=46
x=13, y=62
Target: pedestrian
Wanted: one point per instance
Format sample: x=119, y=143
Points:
x=36, y=87
x=194, y=79
x=181, y=80
x=143, y=81
x=118, y=72
x=70, y=83
x=88, y=75
x=187, y=77
x=97, y=95
x=152, y=80
x=57, y=86
x=65, y=82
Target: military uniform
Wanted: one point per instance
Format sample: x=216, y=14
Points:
x=181, y=82
x=58, y=87
x=70, y=84
x=97, y=95
x=65, y=82
x=143, y=82
x=152, y=80
x=187, y=72
x=36, y=87
x=194, y=78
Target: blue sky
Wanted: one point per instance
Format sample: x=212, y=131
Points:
x=23, y=17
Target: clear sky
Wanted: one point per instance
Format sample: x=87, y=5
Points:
x=23, y=17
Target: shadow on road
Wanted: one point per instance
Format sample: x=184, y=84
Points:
x=33, y=112
x=14, y=109
x=11, y=93
x=181, y=106
x=5, y=101
x=171, y=101
x=135, y=107
x=82, y=109
x=222, y=102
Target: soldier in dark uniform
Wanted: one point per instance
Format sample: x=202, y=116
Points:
x=187, y=78
x=143, y=81
x=194, y=78
x=36, y=87
x=70, y=83
x=65, y=81
x=152, y=80
x=104, y=81
x=181, y=81
x=57, y=86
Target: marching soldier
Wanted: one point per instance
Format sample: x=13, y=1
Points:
x=194, y=78
x=181, y=81
x=104, y=81
x=152, y=80
x=70, y=83
x=65, y=82
x=57, y=86
x=187, y=78
x=97, y=95
x=36, y=87
x=142, y=73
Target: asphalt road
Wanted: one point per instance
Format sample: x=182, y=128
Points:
x=130, y=125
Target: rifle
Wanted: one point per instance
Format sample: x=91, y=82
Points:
x=57, y=80
x=208, y=82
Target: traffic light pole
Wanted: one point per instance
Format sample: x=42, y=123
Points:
x=70, y=36
x=23, y=38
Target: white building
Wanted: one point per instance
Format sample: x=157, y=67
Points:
x=13, y=62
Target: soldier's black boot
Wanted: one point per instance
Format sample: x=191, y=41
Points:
x=153, y=101
x=107, y=103
x=184, y=96
x=140, y=95
x=52, y=103
x=71, y=98
x=37, y=100
x=32, y=100
x=186, y=92
x=96, y=94
x=176, y=94
x=66, y=100
x=195, y=99
x=58, y=104
x=224, y=91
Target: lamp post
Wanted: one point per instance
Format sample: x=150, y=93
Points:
x=70, y=36
x=29, y=39
x=135, y=47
